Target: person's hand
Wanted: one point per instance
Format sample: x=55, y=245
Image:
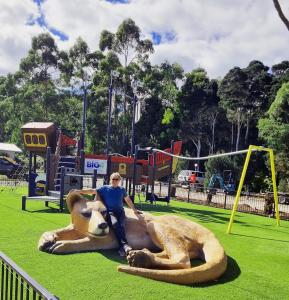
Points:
x=137, y=212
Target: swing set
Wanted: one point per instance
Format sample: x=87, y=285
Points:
x=252, y=148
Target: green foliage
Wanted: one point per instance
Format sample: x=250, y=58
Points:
x=275, y=127
x=207, y=115
x=168, y=116
x=126, y=42
x=283, y=186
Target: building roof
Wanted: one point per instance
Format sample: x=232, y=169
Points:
x=9, y=147
x=38, y=125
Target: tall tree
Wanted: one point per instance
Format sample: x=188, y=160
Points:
x=132, y=51
x=41, y=62
x=126, y=42
x=77, y=69
x=274, y=129
x=193, y=104
x=259, y=82
x=233, y=93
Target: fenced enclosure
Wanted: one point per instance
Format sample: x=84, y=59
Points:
x=11, y=184
x=249, y=202
x=17, y=284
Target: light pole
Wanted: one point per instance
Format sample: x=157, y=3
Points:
x=83, y=128
x=135, y=85
x=132, y=148
x=108, y=129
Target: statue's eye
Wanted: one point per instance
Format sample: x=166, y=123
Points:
x=86, y=214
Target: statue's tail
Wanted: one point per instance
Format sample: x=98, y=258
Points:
x=212, y=269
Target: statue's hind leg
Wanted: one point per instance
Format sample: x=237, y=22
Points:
x=173, y=245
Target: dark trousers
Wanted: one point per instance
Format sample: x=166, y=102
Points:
x=116, y=220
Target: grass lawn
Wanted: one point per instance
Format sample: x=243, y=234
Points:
x=258, y=254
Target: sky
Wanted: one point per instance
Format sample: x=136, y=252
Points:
x=213, y=34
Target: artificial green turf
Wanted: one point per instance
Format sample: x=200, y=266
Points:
x=258, y=254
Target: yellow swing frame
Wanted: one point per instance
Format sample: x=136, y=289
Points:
x=271, y=154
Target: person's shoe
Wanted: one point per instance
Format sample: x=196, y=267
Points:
x=121, y=252
x=127, y=248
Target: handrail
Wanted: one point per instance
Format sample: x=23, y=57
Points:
x=33, y=283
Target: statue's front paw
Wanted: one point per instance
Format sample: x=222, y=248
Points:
x=58, y=248
x=46, y=241
x=140, y=259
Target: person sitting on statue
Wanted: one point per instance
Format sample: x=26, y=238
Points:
x=112, y=195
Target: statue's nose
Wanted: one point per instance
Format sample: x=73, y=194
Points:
x=102, y=225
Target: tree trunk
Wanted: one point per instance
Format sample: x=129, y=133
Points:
x=247, y=130
x=238, y=130
x=232, y=136
x=213, y=132
x=198, y=146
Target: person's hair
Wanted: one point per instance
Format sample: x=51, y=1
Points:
x=115, y=175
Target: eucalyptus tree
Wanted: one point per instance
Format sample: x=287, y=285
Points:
x=98, y=104
x=126, y=42
x=233, y=93
x=258, y=100
x=193, y=103
x=8, y=107
x=40, y=65
x=213, y=112
x=274, y=129
x=132, y=52
x=280, y=73
x=35, y=78
x=77, y=68
x=160, y=90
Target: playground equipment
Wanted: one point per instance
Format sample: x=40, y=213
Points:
x=249, y=151
x=62, y=166
x=245, y=167
x=137, y=171
x=65, y=170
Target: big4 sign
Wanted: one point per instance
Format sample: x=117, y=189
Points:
x=99, y=164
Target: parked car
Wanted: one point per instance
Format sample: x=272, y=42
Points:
x=9, y=167
x=185, y=175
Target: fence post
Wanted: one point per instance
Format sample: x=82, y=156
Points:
x=62, y=176
x=189, y=189
x=171, y=170
x=82, y=161
x=225, y=201
x=134, y=171
x=94, y=179
x=48, y=158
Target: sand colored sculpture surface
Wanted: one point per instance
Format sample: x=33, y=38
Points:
x=162, y=245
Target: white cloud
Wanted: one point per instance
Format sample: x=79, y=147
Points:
x=15, y=36
x=216, y=35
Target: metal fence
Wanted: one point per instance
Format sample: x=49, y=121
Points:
x=11, y=184
x=248, y=203
x=17, y=284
